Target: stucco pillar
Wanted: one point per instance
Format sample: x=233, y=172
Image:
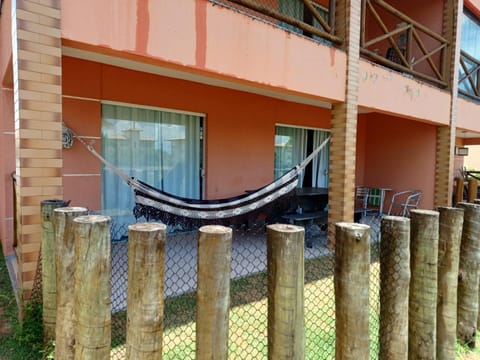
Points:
x=344, y=121
x=36, y=48
x=452, y=24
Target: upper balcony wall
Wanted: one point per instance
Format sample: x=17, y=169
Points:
x=467, y=115
x=388, y=91
x=211, y=40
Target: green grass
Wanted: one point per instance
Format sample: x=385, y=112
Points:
x=23, y=341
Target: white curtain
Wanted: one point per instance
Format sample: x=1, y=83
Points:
x=291, y=149
x=320, y=162
x=158, y=147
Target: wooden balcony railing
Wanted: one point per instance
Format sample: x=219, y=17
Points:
x=469, y=79
x=312, y=23
x=413, y=56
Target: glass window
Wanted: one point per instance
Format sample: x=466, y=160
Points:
x=470, y=44
x=161, y=148
x=292, y=146
x=297, y=10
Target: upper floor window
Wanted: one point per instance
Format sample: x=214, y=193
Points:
x=470, y=42
x=469, y=82
x=299, y=11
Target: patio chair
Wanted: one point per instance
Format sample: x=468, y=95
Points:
x=403, y=201
x=367, y=200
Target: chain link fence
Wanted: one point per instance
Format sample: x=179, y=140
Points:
x=248, y=308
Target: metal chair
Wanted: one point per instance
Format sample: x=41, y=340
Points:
x=366, y=200
x=403, y=201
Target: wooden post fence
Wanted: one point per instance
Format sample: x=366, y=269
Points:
x=285, y=266
x=146, y=273
x=352, y=280
x=472, y=189
x=450, y=234
x=213, y=292
x=468, y=276
x=92, y=288
x=49, y=282
x=65, y=267
x=459, y=190
x=394, y=287
x=422, y=308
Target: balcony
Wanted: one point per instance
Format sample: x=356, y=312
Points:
x=392, y=38
x=305, y=17
x=391, y=32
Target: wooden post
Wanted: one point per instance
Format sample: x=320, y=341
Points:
x=422, y=307
x=472, y=189
x=49, y=282
x=468, y=276
x=352, y=280
x=285, y=261
x=92, y=287
x=394, y=287
x=459, y=192
x=146, y=273
x=451, y=222
x=65, y=264
x=213, y=292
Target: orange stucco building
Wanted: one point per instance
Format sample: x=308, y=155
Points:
x=243, y=74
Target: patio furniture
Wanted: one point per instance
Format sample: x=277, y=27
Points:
x=403, y=201
x=308, y=208
x=369, y=201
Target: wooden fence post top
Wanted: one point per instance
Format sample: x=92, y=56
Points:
x=215, y=229
x=424, y=212
x=147, y=227
x=285, y=228
x=469, y=205
x=70, y=209
x=86, y=219
x=396, y=218
x=450, y=208
x=352, y=226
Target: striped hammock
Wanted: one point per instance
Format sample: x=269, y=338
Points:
x=155, y=204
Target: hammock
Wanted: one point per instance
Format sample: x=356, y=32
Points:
x=155, y=204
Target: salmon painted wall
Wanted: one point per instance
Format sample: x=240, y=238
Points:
x=389, y=91
x=7, y=164
x=245, y=51
x=360, y=159
x=239, y=133
x=467, y=115
x=400, y=154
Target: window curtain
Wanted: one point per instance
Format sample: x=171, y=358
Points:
x=158, y=147
x=290, y=149
x=320, y=162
